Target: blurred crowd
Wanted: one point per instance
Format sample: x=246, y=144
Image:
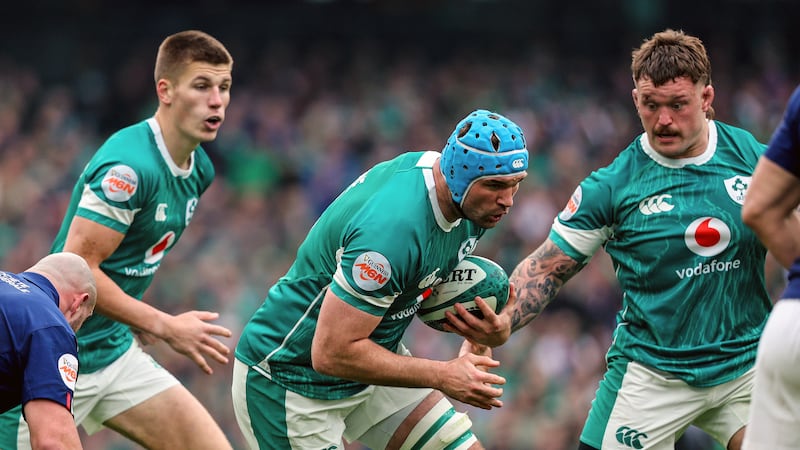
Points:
x=304, y=122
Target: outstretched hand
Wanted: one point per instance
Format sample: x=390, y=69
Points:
x=191, y=334
x=493, y=330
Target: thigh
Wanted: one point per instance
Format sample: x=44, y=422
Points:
x=168, y=420
x=103, y=395
x=775, y=410
x=637, y=407
x=411, y=418
x=728, y=412
x=272, y=417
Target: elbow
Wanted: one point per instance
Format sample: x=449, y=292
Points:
x=321, y=360
x=752, y=215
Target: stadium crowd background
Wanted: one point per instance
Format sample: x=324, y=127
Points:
x=324, y=89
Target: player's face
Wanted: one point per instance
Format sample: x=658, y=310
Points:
x=674, y=115
x=200, y=96
x=489, y=199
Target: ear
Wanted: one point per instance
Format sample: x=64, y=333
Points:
x=164, y=91
x=635, y=97
x=708, y=97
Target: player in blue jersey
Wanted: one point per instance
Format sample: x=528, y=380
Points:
x=322, y=358
x=134, y=199
x=667, y=211
x=40, y=311
x=771, y=210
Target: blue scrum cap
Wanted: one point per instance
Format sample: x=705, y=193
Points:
x=484, y=144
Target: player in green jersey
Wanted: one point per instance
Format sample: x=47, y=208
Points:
x=129, y=207
x=322, y=358
x=667, y=211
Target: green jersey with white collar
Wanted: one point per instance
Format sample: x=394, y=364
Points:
x=379, y=246
x=692, y=274
x=133, y=186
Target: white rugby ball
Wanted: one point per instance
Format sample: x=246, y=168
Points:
x=473, y=276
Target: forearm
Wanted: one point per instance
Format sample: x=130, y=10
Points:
x=51, y=426
x=782, y=237
x=366, y=362
x=537, y=279
x=116, y=304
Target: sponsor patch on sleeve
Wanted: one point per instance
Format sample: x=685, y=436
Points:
x=120, y=183
x=371, y=271
x=68, y=368
x=572, y=205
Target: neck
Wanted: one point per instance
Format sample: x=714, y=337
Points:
x=449, y=208
x=178, y=148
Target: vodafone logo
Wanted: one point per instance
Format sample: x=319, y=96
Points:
x=68, y=369
x=371, y=271
x=120, y=183
x=707, y=236
x=156, y=252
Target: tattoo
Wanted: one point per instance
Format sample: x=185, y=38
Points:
x=537, y=279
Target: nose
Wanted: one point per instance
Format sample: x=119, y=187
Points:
x=215, y=98
x=506, y=197
x=664, y=116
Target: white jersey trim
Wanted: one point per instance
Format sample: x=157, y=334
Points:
x=162, y=148
x=90, y=201
x=426, y=162
x=585, y=241
x=683, y=162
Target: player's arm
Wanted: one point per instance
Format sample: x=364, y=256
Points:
x=342, y=348
x=51, y=426
x=188, y=333
x=770, y=210
x=537, y=279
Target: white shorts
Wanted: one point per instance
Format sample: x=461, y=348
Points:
x=272, y=417
x=651, y=409
x=775, y=412
x=130, y=380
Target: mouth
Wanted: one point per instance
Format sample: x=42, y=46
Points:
x=213, y=122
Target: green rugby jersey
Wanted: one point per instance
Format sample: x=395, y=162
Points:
x=133, y=186
x=692, y=274
x=379, y=246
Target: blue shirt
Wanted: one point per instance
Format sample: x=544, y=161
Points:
x=38, y=349
x=784, y=150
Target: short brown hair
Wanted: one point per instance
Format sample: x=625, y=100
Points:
x=669, y=55
x=183, y=48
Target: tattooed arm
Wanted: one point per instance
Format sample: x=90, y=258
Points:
x=537, y=279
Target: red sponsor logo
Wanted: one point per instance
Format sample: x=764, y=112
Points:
x=69, y=373
x=371, y=273
x=116, y=184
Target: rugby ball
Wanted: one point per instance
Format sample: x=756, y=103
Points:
x=473, y=276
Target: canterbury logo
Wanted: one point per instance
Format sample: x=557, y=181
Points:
x=655, y=204
x=630, y=437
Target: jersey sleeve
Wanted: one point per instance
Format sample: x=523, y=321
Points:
x=370, y=272
x=585, y=223
x=783, y=146
x=51, y=367
x=113, y=193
